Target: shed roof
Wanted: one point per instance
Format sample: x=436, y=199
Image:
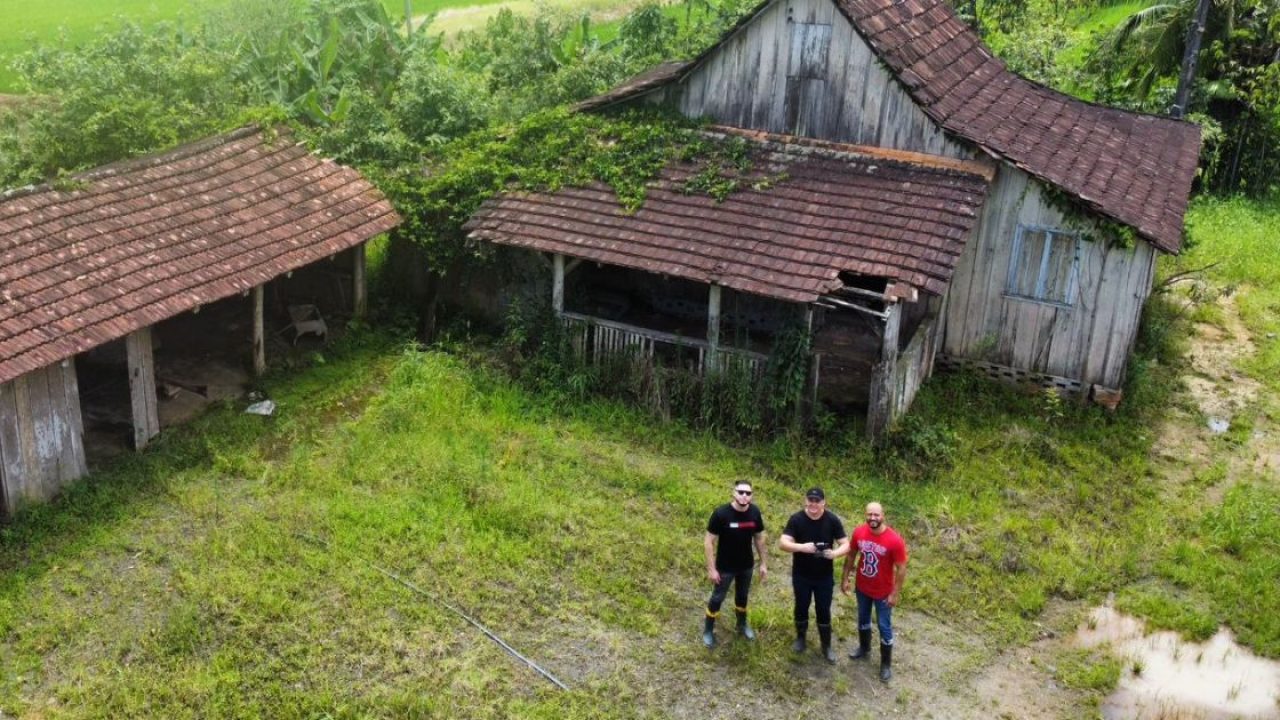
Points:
x=807, y=211
x=144, y=240
x=1131, y=167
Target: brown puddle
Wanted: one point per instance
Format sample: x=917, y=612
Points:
x=1180, y=680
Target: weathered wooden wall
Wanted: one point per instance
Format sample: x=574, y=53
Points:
x=41, y=436
x=895, y=382
x=799, y=67
x=1089, y=341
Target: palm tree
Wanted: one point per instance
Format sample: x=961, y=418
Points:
x=1165, y=38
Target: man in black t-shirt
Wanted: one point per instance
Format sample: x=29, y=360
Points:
x=815, y=538
x=732, y=530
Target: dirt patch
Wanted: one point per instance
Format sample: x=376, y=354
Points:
x=940, y=670
x=1218, y=386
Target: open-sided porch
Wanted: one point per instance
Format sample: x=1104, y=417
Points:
x=853, y=244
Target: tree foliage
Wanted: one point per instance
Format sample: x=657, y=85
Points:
x=129, y=92
x=1235, y=89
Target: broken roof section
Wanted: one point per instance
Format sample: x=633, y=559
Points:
x=807, y=211
x=144, y=240
x=1131, y=167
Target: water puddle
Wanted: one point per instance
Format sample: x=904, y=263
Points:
x=1180, y=680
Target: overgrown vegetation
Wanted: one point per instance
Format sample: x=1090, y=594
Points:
x=732, y=399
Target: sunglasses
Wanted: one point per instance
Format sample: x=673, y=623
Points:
x=743, y=492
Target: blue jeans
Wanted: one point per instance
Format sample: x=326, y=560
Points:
x=815, y=590
x=884, y=616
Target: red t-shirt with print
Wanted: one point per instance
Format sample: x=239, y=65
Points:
x=879, y=554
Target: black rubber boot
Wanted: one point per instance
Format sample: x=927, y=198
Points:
x=799, y=645
x=824, y=635
x=744, y=629
x=886, y=663
x=709, y=632
x=864, y=646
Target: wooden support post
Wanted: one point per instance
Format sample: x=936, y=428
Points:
x=359, y=289
x=557, y=284
x=142, y=387
x=880, y=404
x=259, y=333
x=892, y=330
x=713, y=329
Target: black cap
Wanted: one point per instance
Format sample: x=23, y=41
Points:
x=816, y=494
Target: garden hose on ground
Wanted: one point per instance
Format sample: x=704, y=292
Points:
x=501, y=643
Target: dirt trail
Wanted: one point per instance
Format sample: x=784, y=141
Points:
x=1219, y=392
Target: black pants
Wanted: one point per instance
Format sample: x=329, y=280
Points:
x=742, y=587
x=818, y=590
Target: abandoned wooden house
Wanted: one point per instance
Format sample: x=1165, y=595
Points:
x=969, y=214
x=121, y=291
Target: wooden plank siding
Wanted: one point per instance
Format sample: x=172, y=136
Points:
x=898, y=377
x=41, y=436
x=745, y=83
x=1089, y=341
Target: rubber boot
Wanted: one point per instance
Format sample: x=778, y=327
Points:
x=744, y=629
x=799, y=645
x=709, y=631
x=886, y=663
x=824, y=635
x=864, y=646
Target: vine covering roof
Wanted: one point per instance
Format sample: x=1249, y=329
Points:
x=805, y=211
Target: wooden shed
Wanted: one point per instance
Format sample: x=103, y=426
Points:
x=87, y=271
x=1040, y=291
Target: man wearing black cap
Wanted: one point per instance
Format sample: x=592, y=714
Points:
x=816, y=538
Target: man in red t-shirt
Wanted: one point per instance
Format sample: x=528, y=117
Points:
x=881, y=562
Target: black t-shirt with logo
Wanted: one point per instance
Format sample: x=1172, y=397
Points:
x=735, y=529
x=826, y=529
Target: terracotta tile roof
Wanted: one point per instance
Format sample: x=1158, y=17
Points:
x=145, y=240
x=829, y=209
x=1133, y=168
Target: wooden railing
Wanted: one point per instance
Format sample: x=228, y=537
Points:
x=599, y=339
